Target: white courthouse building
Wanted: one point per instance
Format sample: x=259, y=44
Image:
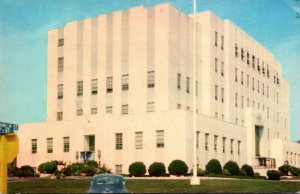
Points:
x=120, y=90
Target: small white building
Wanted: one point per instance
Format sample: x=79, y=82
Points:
x=120, y=89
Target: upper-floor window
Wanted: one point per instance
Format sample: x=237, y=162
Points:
x=94, y=110
x=253, y=83
x=216, y=65
x=187, y=85
x=79, y=88
x=236, y=99
x=216, y=38
x=60, y=63
x=216, y=92
x=197, y=139
x=231, y=146
x=247, y=81
x=151, y=79
x=222, y=42
x=150, y=107
x=124, y=110
x=222, y=95
x=33, y=146
x=139, y=140
x=248, y=58
x=253, y=62
x=60, y=42
x=79, y=112
x=242, y=78
x=160, y=140
x=109, y=109
x=242, y=54
x=206, y=141
x=125, y=85
x=268, y=72
x=94, y=84
x=178, y=81
x=239, y=147
x=60, y=91
x=59, y=116
x=216, y=143
x=66, y=144
x=236, y=50
x=235, y=75
x=49, y=145
x=222, y=68
x=224, y=144
x=109, y=84
x=119, y=141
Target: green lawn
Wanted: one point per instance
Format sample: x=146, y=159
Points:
x=76, y=186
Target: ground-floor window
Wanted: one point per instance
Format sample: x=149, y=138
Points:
x=160, y=139
x=66, y=144
x=33, y=146
x=118, y=169
x=49, y=145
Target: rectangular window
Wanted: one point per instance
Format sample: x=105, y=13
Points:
x=222, y=42
x=151, y=79
x=236, y=50
x=216, y=143
x=66, y=144
x=206, y=141
x=235, y=75
x=258, y=86
x=178, y=106
x=94, y=88
x=224, y=145
x=60, y=66
x=60, y=91
x=263, y=89
x=236, y=99
x=187, y=85
x=247, y=81
x=231, y=146
x=239, y=147
x=197, y=139
x=33, y=146
x=216, y=92
x=94, y=111
x=242, y=102
x=242, y=78
x=138, y=140
x=119, y=141
x=109, y=84
x=150, y=107
x=124, y=110
x=248, y=102
x=248, y=59
x=216, y=38
x=59, y=116
x=109, y=109
x=60, y=42
x=267, y=91
x=216, y=65
x=178, y=81
x=253, y=62
x=118, y=169
x=79, y=112
x=125, y=85
x=160, y=139
x=253, y=83
x=222, y=68
x=49, y=145
x=242, y=54
x=79, y=88
x=222, y=94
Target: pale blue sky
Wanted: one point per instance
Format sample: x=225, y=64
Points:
x=23, y=44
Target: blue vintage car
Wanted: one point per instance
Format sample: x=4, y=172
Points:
x=107, y=183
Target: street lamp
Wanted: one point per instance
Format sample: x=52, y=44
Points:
x=194, y=180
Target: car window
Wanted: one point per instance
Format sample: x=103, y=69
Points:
x=107, y=180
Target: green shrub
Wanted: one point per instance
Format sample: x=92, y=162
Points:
x=177, y=167
x=157, y=169
x=200, y=172
x=92, y=163
x=232, y=167
x=294, y=171
x=225, y=172
x=88, y=170
x=213, y=167
x=66, y=171
x=284, y=170
x=243, y=172
x=58, y=174
x=273, y=175
x=12, y=169
x=25, y=171
x=103, y=169
x=248, y=169
x=137, y=169
x=76, y=168
x=256, y=174
x=48, y=167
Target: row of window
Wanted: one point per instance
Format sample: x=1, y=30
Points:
x=66, y=145
x=216, y=40
x=187, y=84
x=253, y=83
x=109, y=109
x=254, y=60
x=293, y=158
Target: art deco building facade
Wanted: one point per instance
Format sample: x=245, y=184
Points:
x=120, y=89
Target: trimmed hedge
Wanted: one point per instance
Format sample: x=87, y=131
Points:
x=200, y=172
x=213, y=167
x=48, y=167
x=177, y=167
x=273, y=175
x=295, y=171
x=25, y=171
x=248, y=169
x=232, y=167
x=157, y=169
x=284, y=170
x=137, y=169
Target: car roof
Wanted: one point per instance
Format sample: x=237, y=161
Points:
x=108, y=175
